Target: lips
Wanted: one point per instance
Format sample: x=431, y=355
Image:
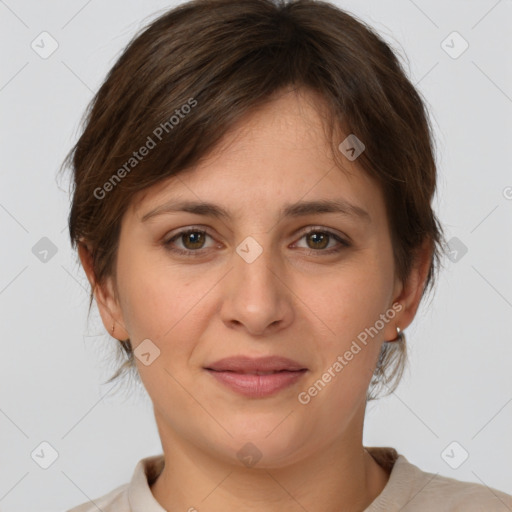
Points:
x=256, y=378
x=257, y=366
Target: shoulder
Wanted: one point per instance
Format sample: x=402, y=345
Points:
x=114, y=501
x=134, y=495
x=456, y=495
x=411, y=489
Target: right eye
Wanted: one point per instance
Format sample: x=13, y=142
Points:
x=192, y=240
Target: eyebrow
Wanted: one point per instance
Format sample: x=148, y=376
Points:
x=299, y=209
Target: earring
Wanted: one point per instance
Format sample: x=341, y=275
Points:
x=113, y=326
x=400, y=336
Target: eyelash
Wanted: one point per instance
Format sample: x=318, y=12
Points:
x=343, y=244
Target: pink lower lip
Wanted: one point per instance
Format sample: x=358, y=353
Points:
x=257, y=386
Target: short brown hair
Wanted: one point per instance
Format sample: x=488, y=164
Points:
x=222, y=58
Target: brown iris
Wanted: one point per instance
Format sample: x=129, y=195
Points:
x=319, y=237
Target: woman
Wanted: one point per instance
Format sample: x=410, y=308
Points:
x=252, y=208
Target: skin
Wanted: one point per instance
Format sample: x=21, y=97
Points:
x=308, y=306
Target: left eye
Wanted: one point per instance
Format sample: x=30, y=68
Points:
x=193, y=241
x=318, y=240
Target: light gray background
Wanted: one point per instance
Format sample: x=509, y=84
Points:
x=459, y=383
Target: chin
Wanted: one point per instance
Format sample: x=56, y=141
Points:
x=261, y=441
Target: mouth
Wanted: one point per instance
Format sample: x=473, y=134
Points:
x=259, y=365
x=256, y=378
x=254, y=373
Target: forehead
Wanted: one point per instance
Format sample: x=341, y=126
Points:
x=278, y=153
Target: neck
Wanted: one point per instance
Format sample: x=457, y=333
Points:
x=340, y=476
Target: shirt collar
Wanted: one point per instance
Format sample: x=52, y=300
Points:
x=146, y=471
x=140, y=497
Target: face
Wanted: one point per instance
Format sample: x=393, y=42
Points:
x=268, y=278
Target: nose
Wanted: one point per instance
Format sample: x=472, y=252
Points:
x=257, y=298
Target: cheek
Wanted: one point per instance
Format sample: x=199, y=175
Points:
x=356, y=295
x=348, y=354
x=160, y=302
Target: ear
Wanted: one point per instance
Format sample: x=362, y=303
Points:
x=105, y=296
x=408, y=294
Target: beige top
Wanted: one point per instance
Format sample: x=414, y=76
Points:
x=409, y=489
